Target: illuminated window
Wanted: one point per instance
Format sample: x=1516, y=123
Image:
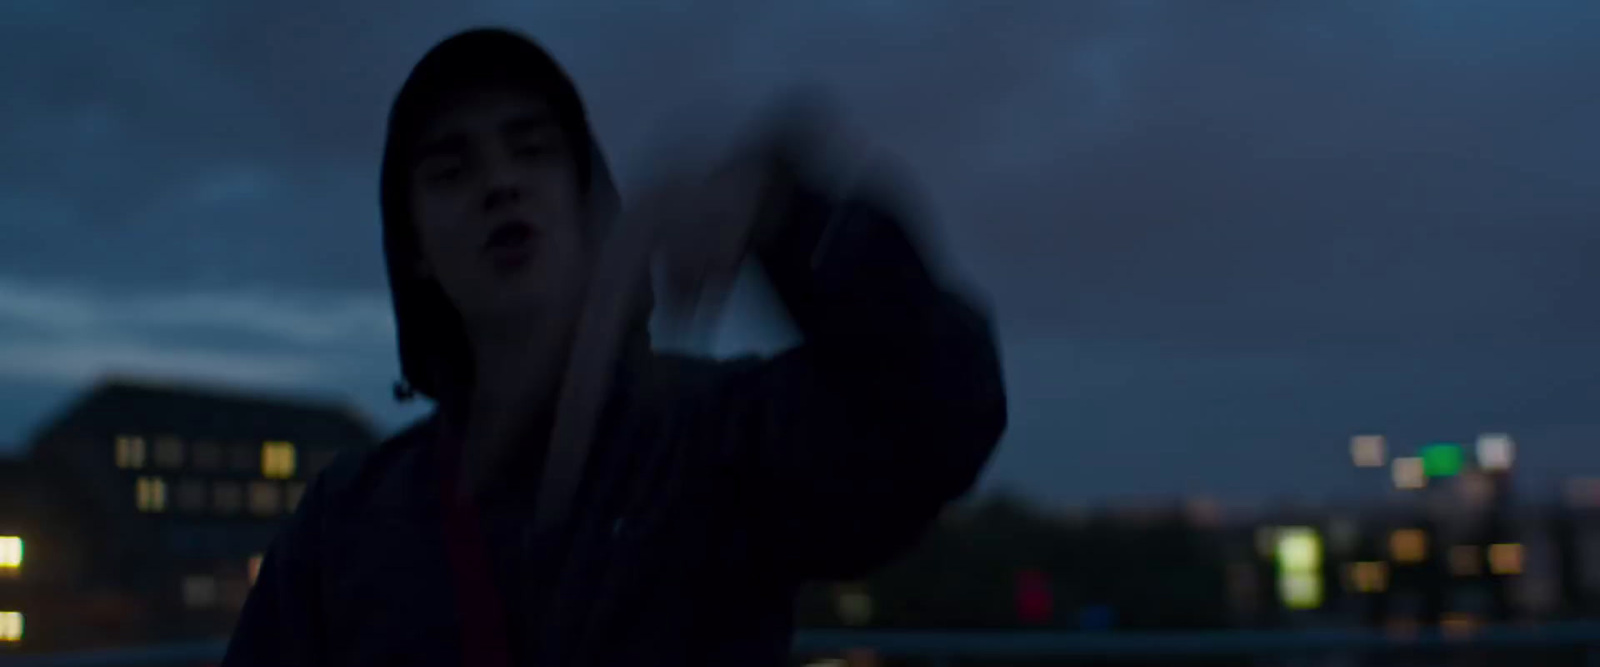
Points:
x=277, y=460
x=130, y=451
x=1505, y=559
x=151, y=494
x=10, y=626
x=1368, y=451
x=169, y=452
x=227, y=497
x=1299, y=590
x=1496, y=451
x=10, y=552
x=1466, y=560
x=192, y=495
x=266, y=498
x=1368, y=576
x=1409, y=473
x=296, y=490
x=199, y=591
x=1299, y=555
x=1408, y=545
x=254, y=568
x=206, y=456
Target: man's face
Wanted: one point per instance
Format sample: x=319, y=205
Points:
x=496, y=203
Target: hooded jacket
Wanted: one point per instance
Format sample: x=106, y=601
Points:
x=712, y=491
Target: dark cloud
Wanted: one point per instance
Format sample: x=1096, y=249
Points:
x=1219, y=238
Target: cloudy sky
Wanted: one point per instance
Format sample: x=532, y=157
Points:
x=1219, y=237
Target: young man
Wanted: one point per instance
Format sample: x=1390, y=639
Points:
x=672, y=522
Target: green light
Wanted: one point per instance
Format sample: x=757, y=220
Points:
x=1441, y=460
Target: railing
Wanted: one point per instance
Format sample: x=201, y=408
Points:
x=1579, y=640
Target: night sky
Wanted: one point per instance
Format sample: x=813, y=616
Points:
x=1219, y=238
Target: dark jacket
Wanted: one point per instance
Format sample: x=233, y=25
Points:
x=713, y=490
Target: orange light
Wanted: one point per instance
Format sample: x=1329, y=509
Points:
x=255, y=568
x=1408, y=545
x=1368, y=576
x=1505, y=559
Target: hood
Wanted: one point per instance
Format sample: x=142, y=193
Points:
x=435, y=359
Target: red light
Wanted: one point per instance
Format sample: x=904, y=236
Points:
x=1035, y=603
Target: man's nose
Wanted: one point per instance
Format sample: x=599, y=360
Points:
x=501, y=187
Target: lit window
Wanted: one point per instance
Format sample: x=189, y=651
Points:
x=10, y=552
x=266, y=498
x=227, y=497
x=1369, y=576
x=169, y=452
x=1466, y=560
x=1368, y=451
x=10, y=626
x=1505, y=559
x=1408, y=545
x=151, y=494
x=1496, y=451
x=1299, y=555
x=1409, y=473
x=296, y=490
x=1300, y=590
x=206, y=456
x=277, y=460
x=192, y=495
x=130, y=451
x=254, y=568
x=199, y=591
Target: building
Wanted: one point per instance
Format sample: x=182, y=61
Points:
x=140, y=512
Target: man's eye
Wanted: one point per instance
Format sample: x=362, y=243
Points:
x=449, y=173
x=532, y=150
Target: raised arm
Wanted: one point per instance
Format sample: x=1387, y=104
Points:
x=887, y=410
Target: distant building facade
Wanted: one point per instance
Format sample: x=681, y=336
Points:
x=141, y=511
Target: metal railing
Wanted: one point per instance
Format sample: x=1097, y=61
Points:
x=946, y=647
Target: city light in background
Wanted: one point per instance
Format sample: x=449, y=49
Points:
x=1369, y=451
x=1505, y=559
x=1441, y=460
x=1299, y=558
x=10, y=626
x=10, y=553
x=1368, y=576
x=1409, y=473
x=1408, y=546
x=1496, y=452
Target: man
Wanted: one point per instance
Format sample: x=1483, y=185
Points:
x=577, y=499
